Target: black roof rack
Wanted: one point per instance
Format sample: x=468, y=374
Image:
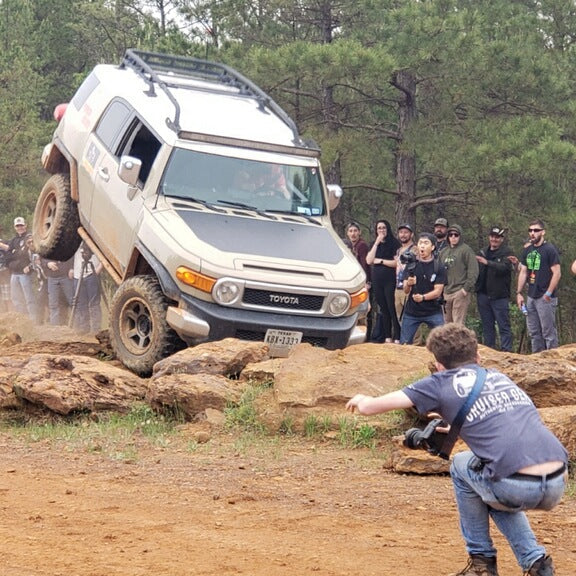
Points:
x=150, y=64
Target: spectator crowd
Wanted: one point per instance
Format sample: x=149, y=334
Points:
x=50, y=291
x=431, y=279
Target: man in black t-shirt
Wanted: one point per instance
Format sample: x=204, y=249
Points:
x=540, y=272
x=424, y=286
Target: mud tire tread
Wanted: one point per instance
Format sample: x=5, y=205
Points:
x=56, y=220
x=144, y=294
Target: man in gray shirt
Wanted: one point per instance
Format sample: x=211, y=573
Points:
x=515, y=463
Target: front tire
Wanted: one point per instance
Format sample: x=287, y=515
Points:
x=139, y=333
x=56, y=220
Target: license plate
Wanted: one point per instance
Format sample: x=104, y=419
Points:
x=280, y=342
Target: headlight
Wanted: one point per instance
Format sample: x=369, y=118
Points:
x=339, y=304
x=226, y=292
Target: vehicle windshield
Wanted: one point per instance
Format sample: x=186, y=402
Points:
x=228, y=181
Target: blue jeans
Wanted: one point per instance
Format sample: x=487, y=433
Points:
x=480, y=499
x=60, y=292
x=494, y=312
x=410, y=325
x=24, y=295
x=88, y=314
x=541, y=323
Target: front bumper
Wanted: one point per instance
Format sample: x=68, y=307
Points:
x=196, y=321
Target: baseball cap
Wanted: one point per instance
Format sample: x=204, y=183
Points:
x=407, y=226
x=441, y=222
x=496, y=231
x=19, y=221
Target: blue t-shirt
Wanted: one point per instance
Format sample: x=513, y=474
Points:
x=503, y=427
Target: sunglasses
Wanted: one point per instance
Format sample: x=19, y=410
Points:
x=453, y=235
x=534, y=230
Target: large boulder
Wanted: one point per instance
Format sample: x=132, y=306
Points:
x=227, y=357
x=316, y=378
x=548, y=377
x=70, y=384
x=190, y=396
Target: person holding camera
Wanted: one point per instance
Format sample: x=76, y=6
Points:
x=86, y=313
x=424, y=279
x=514, y=462
x=407, y=247
x=18, y=260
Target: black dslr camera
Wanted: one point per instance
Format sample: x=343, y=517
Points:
x=409, y=260
x=427, y=439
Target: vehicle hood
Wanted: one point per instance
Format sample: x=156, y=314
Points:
x=256, y=237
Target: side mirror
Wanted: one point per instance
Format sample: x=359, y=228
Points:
x=129, y=169
x=334, y=194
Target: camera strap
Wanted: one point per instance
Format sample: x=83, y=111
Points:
x=452, y=435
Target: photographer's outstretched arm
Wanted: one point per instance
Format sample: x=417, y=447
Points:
x=368, y=405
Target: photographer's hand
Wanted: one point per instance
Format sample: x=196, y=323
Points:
x=368, y=405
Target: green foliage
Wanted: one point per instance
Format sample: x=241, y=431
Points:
x=489, y=131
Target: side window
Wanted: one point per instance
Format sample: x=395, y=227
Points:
x=112, y=124
x=141, y=143
x=86, y=88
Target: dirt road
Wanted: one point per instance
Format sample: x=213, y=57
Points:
x=270, y=508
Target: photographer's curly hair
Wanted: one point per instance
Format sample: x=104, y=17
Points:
x=453, y=345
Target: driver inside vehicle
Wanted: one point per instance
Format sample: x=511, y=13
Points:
x=266, y=181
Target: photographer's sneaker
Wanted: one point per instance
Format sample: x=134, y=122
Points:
x=542, y=567
x=479, y=565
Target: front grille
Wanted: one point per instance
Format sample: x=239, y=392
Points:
x=282, y=300
x=255, y=336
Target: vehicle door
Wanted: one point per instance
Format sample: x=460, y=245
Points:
x=116, y=207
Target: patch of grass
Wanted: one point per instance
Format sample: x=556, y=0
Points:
x=287, y=426
x=356, y=434
x=315, y=426
x=244, y=414
x=112, y=434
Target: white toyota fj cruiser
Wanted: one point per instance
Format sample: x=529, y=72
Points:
x=206, y=207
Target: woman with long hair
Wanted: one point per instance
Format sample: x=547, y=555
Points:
x=382, y=259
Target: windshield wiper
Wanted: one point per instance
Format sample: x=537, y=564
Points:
x=210, y=205
x=296, y=215
x=246, y=207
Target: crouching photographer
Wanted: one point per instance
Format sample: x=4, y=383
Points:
x=423, y=285
x=514, y=464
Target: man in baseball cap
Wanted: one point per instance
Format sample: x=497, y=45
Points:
x=22, y=291
x=493, y=289
x=440, y=231
x=497, y=231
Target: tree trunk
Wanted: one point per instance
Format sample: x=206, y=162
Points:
x=405, y=82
